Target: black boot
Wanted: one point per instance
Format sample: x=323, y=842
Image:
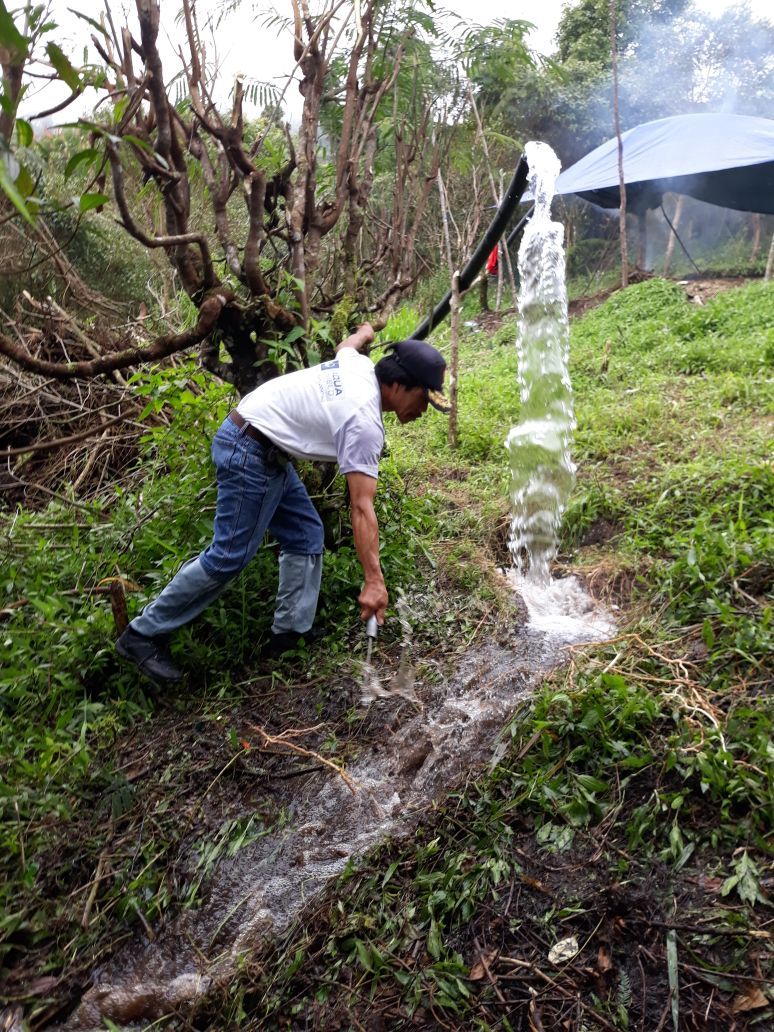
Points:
x=285, y=641
x=150, y=655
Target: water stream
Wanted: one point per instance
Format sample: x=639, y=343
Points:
x=542, y=472
x=437, y=725
x=427, y=747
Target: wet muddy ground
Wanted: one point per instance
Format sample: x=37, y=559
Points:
x=411, y=754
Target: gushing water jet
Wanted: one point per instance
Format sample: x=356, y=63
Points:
x=542, y=472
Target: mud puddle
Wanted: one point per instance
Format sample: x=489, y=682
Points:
x=426, y=748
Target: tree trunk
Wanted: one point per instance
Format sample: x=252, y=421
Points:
x=642, y=240
x=500, y=258
x=673, y=233
x=497, y=197
x=455, y=314
x=483, y=291
x=756, y=236
x=770, y=262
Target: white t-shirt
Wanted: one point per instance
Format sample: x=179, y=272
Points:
x=331, y=413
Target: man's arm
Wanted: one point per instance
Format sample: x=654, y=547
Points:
x=373, y=598
x=363, y=335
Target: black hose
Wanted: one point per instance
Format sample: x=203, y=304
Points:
x=496, y=229
x=519, y=226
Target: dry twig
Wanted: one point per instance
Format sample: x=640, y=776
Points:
x=283, y=740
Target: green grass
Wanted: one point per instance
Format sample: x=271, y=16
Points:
x=69, y=707
x=678, y=460
x=662, y=738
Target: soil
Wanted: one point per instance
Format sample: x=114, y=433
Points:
x=699, y=291
x=620, y=967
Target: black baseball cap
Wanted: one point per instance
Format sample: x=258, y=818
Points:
x=426, y=366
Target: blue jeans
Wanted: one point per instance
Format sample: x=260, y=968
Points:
x=254, y=495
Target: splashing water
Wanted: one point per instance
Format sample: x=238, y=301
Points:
x=542, y=473
x=403, y=682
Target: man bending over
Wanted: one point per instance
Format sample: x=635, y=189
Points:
x=331, y=412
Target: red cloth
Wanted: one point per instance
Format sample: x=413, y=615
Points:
x=491, y=262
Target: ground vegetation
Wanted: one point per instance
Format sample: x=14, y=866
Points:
x=629, y=808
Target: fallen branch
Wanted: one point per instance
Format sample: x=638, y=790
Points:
x=162, y=347
x=94, y=886
x=483, y=961
x=283, y=740
x=60, y=442
x=567, y=993
x=755, y=933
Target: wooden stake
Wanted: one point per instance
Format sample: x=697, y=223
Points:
x=118, y=605
x=454, y=357
x=617, y=123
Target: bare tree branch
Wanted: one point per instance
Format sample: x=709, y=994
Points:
x=162, y=347
x=116, y=168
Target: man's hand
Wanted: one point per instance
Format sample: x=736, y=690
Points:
x=363, y=335
x=365, y=528
x=373, y=599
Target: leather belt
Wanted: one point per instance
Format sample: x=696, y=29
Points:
x=273, y=452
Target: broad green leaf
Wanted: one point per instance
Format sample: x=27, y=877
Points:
x=747, y=883
x=8, y=186
x=24, y=133
x=591, y=784
x=25, y=184
x=389, y=872
x=10, y=37
x=434, y=940
x=142, y=144
x=685, y=856
x=82, y=157
x=293, y=335
x=119, y=108
x=591, y=718
x=708, y=634
x=363, y=954
x=88, y=201
x=613, y=681
x=295, y=963
x=94, y=24
x=63, y=68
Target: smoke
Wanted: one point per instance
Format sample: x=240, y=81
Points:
x=698, y=62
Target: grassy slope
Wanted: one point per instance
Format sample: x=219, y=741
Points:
x=652, y=752
x=636, y=794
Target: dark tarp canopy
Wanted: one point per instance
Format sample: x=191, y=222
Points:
x=726, y=160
